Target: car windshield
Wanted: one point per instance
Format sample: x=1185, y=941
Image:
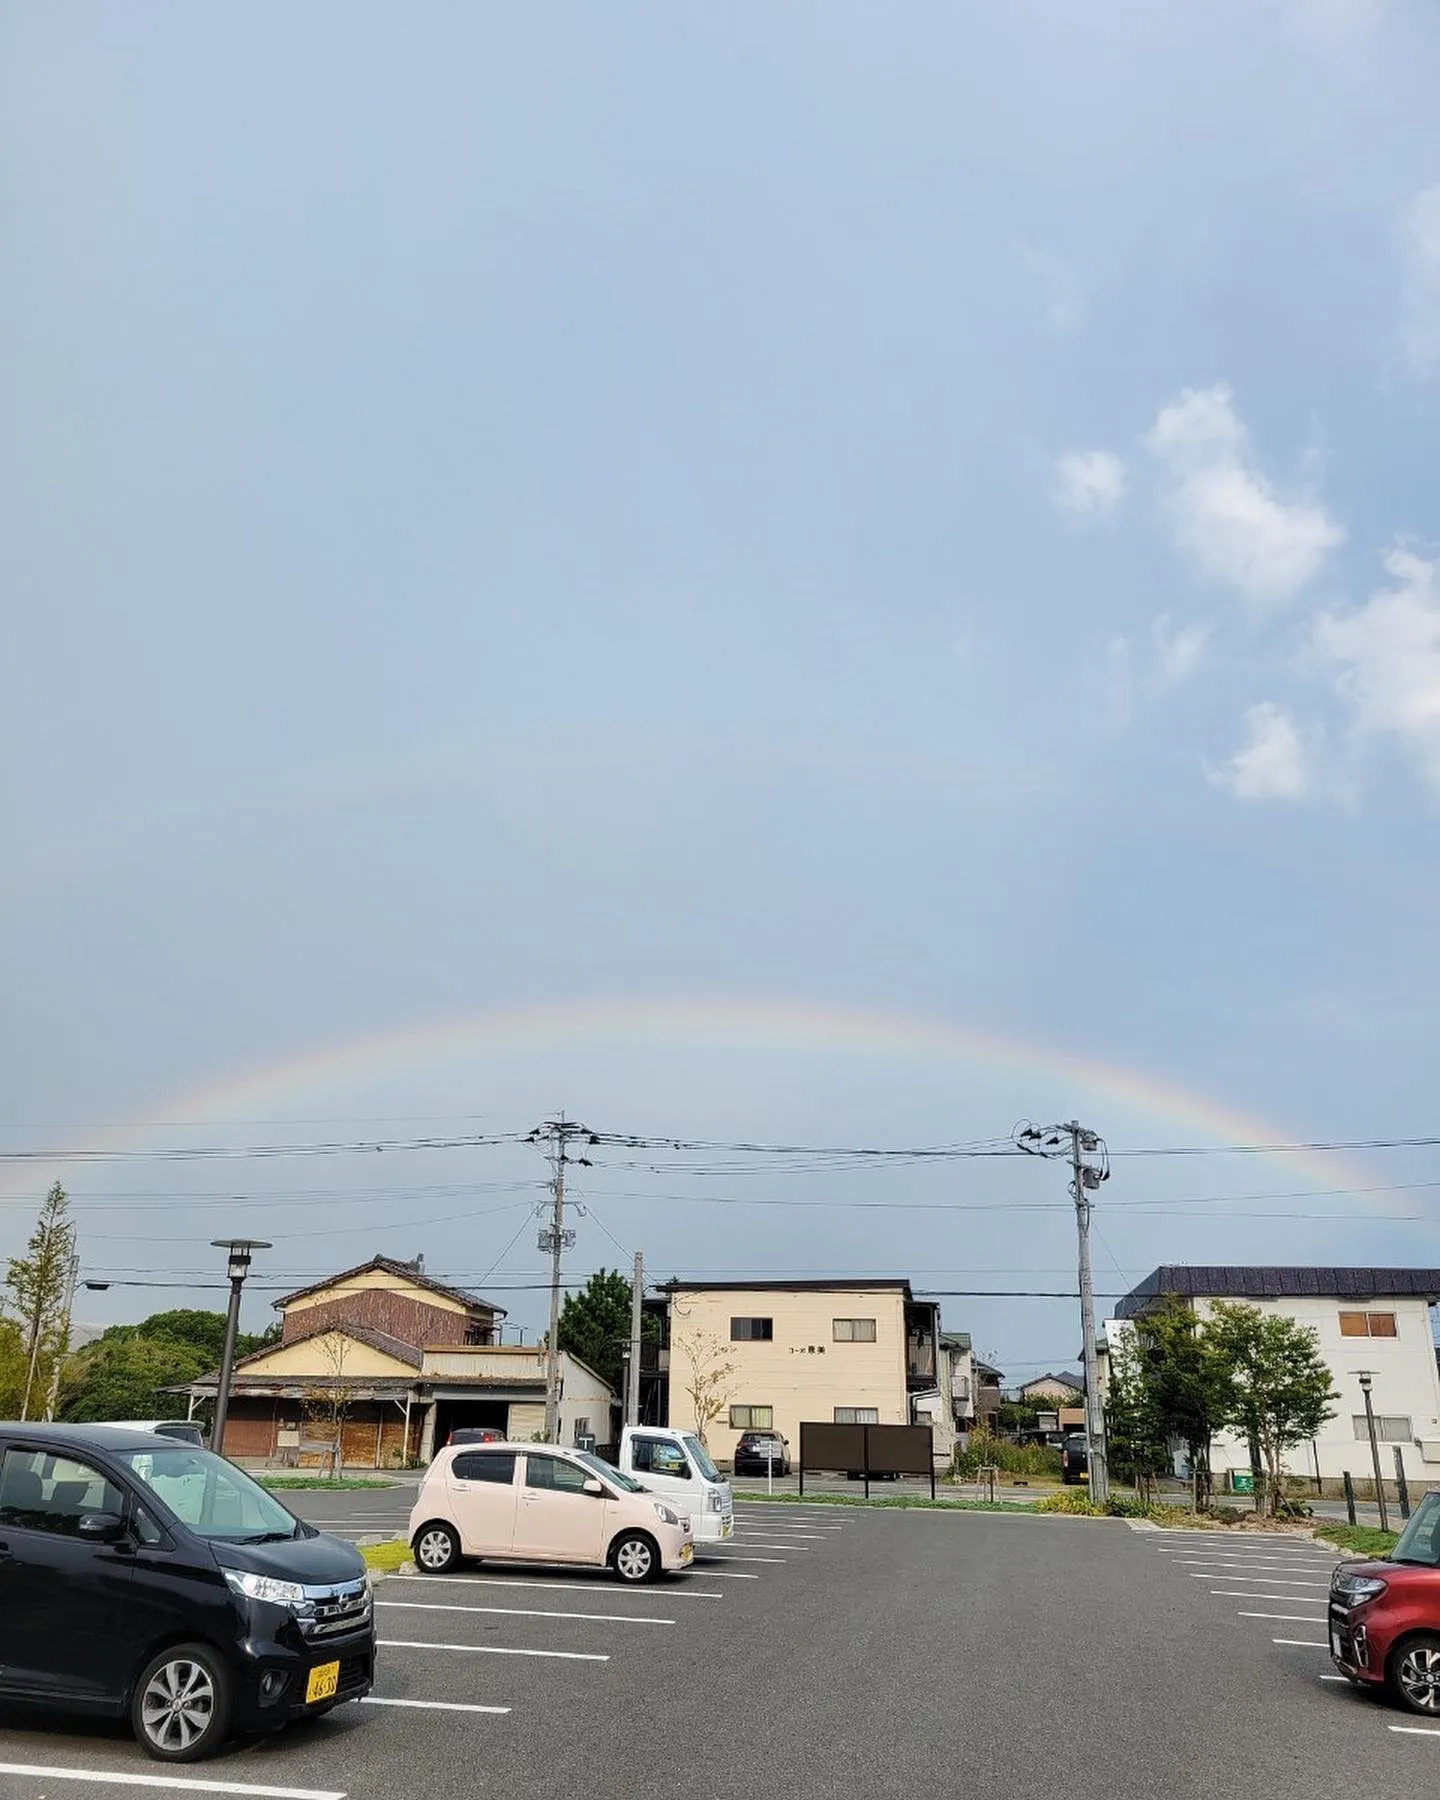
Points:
x=1419, y=1542
x=209, y=1495
x=616, y=1477
x=702, y=1458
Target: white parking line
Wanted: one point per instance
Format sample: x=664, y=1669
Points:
x=712, y=1574
x=1242, y=1594
x=554, y=1587
x=750, y=1543
x=1274, y=1580
x=1332, y=1678
x=1226, y=1562
x=777, y=1561
x=1288, y=1618
x=1416, y=1730
x=783, y=1524
x=795, y=1537
x=434, y=1705
x=523, y=1612
x=183, y=1784
x=1300, y=1643
x=491, y=1650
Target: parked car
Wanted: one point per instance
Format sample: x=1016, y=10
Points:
x=148, y=1579
x=1075, y=1459
x=184, y=1431
x=1385, y=1615
x=533, y=1504
x=475, y=1434
x=758, y=1451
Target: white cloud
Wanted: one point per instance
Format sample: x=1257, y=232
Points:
x=1387, y=660
x=1419, y=238
x=1178, y=652
x=1271, y=764
x=1090, y=483
x=1224, y=512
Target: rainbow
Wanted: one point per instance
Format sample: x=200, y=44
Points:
x=698, y=1023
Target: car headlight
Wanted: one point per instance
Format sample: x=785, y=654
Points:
x=1355, y=1590
x=265, y=1587
x=713, y=1501
x=670, y=1518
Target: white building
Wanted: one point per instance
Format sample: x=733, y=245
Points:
x=1373, y=1320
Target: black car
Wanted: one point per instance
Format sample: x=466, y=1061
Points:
x=475, y=1434
x=148, y=1579
x=758, y=1451
x=1075, y=1459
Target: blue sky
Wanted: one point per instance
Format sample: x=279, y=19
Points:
x=928, y=511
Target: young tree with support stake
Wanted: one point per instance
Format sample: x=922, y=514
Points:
x=1280, y=1392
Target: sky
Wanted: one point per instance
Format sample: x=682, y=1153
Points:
x=818, y=574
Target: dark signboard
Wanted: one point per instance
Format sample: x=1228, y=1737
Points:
x=867, y=1450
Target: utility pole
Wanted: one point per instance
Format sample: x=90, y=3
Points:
x=1086, y=1176
x=632, y=1381
x=62, y=1349
x=557, y=1135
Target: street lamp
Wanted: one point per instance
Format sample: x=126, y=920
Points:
x=238, y=1267
x=1366, y=1377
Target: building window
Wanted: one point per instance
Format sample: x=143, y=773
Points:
x=854, y=1331
x=1388, y=1429
x=751, y=1331
x=1367, y=1324
x=752, y=1418
x=857, y=1415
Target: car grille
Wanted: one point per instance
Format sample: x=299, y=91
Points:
x=334, y=1611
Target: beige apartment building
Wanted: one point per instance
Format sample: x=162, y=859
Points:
x=766, y=1355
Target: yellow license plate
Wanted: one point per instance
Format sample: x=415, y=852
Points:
x=322, y=1683
x=686, y=1552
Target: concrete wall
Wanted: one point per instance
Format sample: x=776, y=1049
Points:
x=802, y=1372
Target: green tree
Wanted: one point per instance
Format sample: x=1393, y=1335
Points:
x=39, y=1284
x=1138, y=1444
x=12, y=1368
x=1280, y=1392
x=1187, y=1384
x=595, y=1325
x=121, y=1374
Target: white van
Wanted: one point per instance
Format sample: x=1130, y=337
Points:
x=677, y=1466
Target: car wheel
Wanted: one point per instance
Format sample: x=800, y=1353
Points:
x=1415, y=1674
x=180, y=1709
x=437, y=1549
x=636, y=1559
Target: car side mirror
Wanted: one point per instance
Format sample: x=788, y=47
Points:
x=100, y=1528
x=593, y=1485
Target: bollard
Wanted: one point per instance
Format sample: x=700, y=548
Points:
x=1349, y=1496
x=1401, y=1485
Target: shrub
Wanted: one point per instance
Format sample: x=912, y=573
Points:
x=1033, y=1460
x=1070, y=1500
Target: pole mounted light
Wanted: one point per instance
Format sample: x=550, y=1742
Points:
x=1366, y=1378
x=238, y=1253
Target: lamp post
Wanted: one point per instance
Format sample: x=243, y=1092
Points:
x=1366, y=1378
x=238, y=1251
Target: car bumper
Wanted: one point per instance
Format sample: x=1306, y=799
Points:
x=712, y=1528
x=273, y=1676
x=1353, y=1648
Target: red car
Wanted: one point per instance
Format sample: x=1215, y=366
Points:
x=1385, y=1615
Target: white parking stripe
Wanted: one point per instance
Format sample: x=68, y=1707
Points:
x=777, y=1561
x=1274, y=1580
x=1288, y=1618
x=1241, y=1594
x=1416, y=1730
x=729, y=1574
x=810, y=1537
x=1332, y=1678
x=1224, y=1562
x=750, y=1543
x=176, y=1783
x=491, y=1650
x=523, y=1612
x=1300, y=1643
x=434, y=1705
x=555, y=1587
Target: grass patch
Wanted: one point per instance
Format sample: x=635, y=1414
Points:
x=385, y=1559
x=319, y=1483
x=1364, y=1540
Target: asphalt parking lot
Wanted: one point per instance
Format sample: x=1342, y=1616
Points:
x=824, y=1652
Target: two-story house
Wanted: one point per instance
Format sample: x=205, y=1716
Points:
x=765, y=1355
